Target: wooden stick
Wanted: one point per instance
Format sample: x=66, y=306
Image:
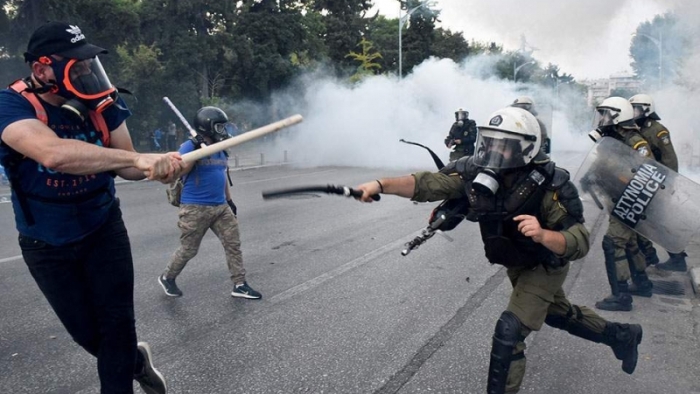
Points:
x=239, y=139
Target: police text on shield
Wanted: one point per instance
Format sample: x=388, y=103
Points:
x=638, y=194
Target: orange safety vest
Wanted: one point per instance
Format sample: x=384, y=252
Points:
x=20, y=86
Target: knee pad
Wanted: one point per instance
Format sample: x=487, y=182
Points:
x=505, y=337
x=508, y=328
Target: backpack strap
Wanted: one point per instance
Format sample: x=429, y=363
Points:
x=99, y=122
x=21, y=86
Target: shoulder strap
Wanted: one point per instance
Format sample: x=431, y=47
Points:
x=20, y=86
x=99, y=122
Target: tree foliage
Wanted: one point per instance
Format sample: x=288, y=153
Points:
x=199, y=52
x=658, y=49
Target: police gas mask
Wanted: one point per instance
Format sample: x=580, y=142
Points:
x=83, y=83
x=487, y=182
x=507, y=143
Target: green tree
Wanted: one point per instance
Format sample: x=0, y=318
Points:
x=658, y=48
x=367, y=60
x=345, y=24
x=449, y=45
x=418, y=34
x=384, y=34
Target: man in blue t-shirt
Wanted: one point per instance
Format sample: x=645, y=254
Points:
x=206, y=204
x=62, y=141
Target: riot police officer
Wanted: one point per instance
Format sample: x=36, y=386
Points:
x=615, y=118
x=461, y=136
x=528, y=104
x=659, y=139
x=531, y=221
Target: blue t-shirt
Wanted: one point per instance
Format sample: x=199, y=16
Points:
x=65, y=207
x=205, y=183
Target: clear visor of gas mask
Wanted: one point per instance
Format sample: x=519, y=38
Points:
x=605, y=117
x=501, y=151
x=640, y=111
x=223, y=131
x=87, y=79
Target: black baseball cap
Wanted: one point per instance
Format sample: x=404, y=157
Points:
x=60, y=38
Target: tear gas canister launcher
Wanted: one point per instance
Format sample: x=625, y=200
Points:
x=444, y=217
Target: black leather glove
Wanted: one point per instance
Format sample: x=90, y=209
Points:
x=232, y=206
x=198, y=140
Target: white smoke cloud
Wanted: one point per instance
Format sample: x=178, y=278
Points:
x=589, y=39
x=361, y=125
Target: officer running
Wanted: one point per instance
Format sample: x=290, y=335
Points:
x=531, y=222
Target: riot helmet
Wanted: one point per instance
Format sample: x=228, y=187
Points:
x=644, y=108
x=511, y=139
x=212, y=122
x=526, y=103
x=461, y=115
x=611, y=113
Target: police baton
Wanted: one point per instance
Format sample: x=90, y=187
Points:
x=328, y=189
x=239, y=139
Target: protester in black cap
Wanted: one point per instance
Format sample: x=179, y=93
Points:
x=63, y=138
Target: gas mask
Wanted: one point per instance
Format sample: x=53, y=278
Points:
x=461, y=115
x=221, y=131
x=486, y=182
x=83, y=83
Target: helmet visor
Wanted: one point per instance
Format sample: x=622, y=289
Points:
x=525, y=106
x=500, y=150
x=87, y=79
x=640, y=111
x=461, y=115
x=605, y=117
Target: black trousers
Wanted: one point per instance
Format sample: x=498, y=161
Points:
x=90, y=286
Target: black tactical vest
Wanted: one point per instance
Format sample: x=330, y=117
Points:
x=503, y=243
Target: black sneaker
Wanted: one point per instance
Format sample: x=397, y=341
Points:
x=169, y=286
x=150, y=380
x=245, y=291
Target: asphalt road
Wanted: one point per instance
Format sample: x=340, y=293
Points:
x=343, y=311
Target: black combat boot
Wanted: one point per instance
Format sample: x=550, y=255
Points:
x=624, y=339
x=620, y=300
x=676, y=262
x=641, y=285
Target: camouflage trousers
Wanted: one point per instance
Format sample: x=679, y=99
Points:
x=194, y=221
x=625, y=240
x=538, y=293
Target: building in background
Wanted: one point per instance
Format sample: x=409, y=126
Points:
x=623, y=85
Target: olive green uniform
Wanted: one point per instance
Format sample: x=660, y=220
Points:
x=662, y=148
x=537, y=292
x=622, y=237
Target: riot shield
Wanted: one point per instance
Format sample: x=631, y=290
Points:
x=643, y=194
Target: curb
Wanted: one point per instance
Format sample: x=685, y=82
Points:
x=695, y=279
